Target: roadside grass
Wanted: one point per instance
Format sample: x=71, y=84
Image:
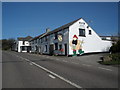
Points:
x=111, y=59
x=112, y=62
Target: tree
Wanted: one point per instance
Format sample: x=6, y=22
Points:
x=7, y=43
x=115, y=48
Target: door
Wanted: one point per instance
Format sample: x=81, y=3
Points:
x=51, y=49
x=39, y=49
x=28, y=48
x=65, y=49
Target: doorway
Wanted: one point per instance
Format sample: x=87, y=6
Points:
x=28, y=48
x=65, y=49
x=51, y=49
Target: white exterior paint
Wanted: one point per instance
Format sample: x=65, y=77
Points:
x=19, y=44
x=92, y=43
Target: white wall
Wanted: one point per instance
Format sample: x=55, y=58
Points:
x=20, y=43
x=92, y=43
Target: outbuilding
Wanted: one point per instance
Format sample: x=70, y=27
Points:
x=22, y=44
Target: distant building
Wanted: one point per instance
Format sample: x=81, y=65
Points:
x=106, y=38
x=76, y=37
x=113, y=39
x=22, y=44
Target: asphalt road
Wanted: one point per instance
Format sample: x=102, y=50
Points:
x=23, y=70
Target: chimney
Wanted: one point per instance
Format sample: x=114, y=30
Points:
x=47, y=30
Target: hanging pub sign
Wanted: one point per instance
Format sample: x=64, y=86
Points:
x=60, y=37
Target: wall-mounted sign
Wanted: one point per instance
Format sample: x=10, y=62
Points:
x=60, y=37
x=82, y=23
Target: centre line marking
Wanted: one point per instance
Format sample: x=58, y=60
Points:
x=65, y=61
x=60, y=77
x=52, y=73
x=74, y=62
x=51, y=76
x=86, y=65
x=104, y=68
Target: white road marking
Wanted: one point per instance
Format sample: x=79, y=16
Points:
x=60, y=77
x=104, y=68
x=51, y=76
x=27, y=59
x=86, y=65
x=64, y=61
x=52, y=73
x=74, y=62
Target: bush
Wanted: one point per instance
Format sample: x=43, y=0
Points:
x=112, y=59
x=115, y=48
x=115, y=57
x=7, y=44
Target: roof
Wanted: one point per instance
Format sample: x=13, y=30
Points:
x=63, y=27
x=24, y=38
x=37, y=37
x=108, y=36
x=56, y=30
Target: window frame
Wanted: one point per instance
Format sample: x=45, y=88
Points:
x=45, y=48
x=83, y=33
x=90, y=32
x=23, y=42
x=60, y=46
x=56, y=46
x=56, y=35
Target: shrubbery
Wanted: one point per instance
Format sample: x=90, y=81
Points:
x=115, y=48
x=7, y=44
x=114, y=57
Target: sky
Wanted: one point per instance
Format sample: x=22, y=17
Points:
x=20, y=19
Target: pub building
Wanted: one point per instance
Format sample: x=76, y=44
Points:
x=74, y=38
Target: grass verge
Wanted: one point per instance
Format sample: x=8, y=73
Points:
x=111, y=59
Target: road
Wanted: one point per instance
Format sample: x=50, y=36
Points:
x=24, y=70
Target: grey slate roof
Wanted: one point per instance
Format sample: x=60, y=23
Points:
x=56, y=30
x=37, y=37
x=63, y=27
x=24, y=38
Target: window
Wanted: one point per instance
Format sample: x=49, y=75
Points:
x=45, y=48
x=23, y=42
x=56, y=36
x=56, y=46
x=23, y=48
x=36, y=48
x=41, y=40
x=81, y=32
x=46, y=38
x=90, y=32
x=35, y=41
x=60, y=46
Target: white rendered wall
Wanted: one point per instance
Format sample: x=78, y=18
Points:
x=20, y=43
x=92, y=43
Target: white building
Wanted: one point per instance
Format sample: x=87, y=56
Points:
x=76, y=37
x=22, y=44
